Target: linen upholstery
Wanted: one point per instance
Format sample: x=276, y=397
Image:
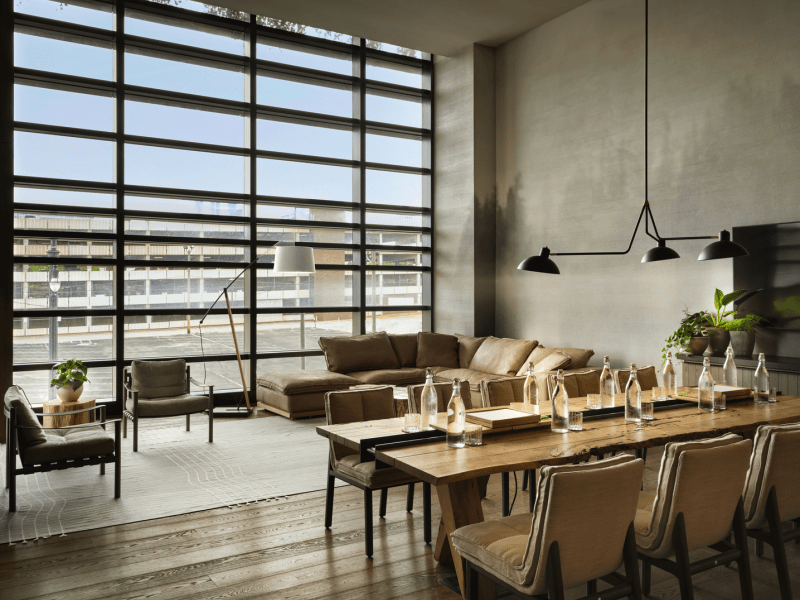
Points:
x=467, y=347
x=776, y=450
x=501, y=356
x=159, y=378
x=444, y=391
x=579, y=357
x=15, y=398
x=586, y=507
x=553, y=362
x=647, y=376
x=436, y=350
x=305, y=381
x=69, y=444
x=474, y=378
x=702, y=479
x=169, y=406
x=344, y=354
x=404, y=376
x=577, y=384
x=296, y=403
x=405, y=348
x=502, y=392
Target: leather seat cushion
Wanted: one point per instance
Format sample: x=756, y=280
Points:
x=69, y=444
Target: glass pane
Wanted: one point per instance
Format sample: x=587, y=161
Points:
x=192, y=207
x=268, y=365
x=286, y=290
x=162, y=336
x=394, y=322
x=159, y=287
x=179, y=31
x=399, y=219
x=59, y=198
x=64, y=248
x=304, y=180
x=392, y=150
x=207, y=8
x=179, y=76
x=394, y=288
x=386, y=107
x=287, y=91
x=293, y=138
x=384, y=257
x=322, y=256
x=299, y=213
x=80, y=57
x=86, y=338
x=387, y=187
x=66, y=109
x=396, y=49
x=57, y=222
x=85, y=13
x=304, y=29
x=195, y=253
x=62, y=157
x=271, y=234
x=286, y=332
x=184, y=169
x=382, y=70
x=37, y=384
x=156, y=228
x=172, y=122
x=39, y=287
x=300, y=55
x=393, y=238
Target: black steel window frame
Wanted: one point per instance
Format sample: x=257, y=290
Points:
x=251, y=66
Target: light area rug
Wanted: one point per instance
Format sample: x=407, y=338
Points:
x=175, y=472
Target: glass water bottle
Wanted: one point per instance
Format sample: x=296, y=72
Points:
x=456, y=418
x=633, y=397
x=608, y=388
x=429, y=403
x=670, y=378
x=761, y=381
x=559, y=420
x=530, y=393
x=705, y=388
x=729, y=376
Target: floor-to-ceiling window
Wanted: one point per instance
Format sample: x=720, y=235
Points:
x=161, y=146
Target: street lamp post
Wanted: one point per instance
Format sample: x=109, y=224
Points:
x=188, y=250
x=55, y=285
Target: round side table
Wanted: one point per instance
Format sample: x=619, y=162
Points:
x=56, y=406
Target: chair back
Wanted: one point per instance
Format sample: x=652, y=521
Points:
x=504, y=391
x=444, y=391
x=776, y=453
x=577, y=384
x=647, y=376
x=355, y=406
x=703, y=480
x=29, y=430
x=158, y=378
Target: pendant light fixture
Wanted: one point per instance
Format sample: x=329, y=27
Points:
x=724, y=247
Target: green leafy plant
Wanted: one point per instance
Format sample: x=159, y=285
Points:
x=721, y=302
x=692, y=325
x=72, y=372
x=745, y=323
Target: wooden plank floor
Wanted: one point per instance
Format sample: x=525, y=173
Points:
x=281, y=550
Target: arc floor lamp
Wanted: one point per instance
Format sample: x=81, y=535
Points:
x=724, y=247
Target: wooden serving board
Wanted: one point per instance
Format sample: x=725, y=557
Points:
x=497, y=417
x=732, y=394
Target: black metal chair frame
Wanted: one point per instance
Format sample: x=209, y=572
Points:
x=624, y=586
x=368, y=510
x=134, y=416
x=683, y=568
x=12, y=448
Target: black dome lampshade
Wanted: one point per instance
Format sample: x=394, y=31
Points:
x=540, y=264
x=724, y=247
x=660, y=252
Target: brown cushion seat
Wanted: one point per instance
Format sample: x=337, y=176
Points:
x=69, y=444
x=405, y=376
x=305, y=381
x=359, y=353
x=369, y=475
x=169, y=406
x=436, y=350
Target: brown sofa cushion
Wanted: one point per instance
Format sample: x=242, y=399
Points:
x=359, y=353
x=69, y=444
x=467, y=347
x=579, y=357
x=501, y=356
x=436, y=350
x=407, y=376
x=405, y=347
x=291, y=383
x=159, y=378
x=554, y=361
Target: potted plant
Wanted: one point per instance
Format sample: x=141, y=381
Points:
x=719, y=336
x=691, y=336
x=69, y=380
x=743, y=338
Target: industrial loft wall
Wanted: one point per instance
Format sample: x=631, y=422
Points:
x=158, y=149
x=724, y=150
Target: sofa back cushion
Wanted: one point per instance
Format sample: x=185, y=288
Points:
x=501, y=356
x=159, y=378
x=15, y=398
x=359, y=353
x=467, y=347
x=405, y=347
x=579, y=357
x=436, y=350
x=553, y=362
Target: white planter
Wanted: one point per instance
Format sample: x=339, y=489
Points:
x=67, y=394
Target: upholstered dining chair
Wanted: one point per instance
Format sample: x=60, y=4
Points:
x=161, y=388
x=576, y=384
x=355, y=406
x=697, y=502
x=647, y=376
x=772, y=494
x=444, y=391
x=54, y=449
x=581, y=530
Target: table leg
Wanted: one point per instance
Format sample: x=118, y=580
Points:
x=461, y=505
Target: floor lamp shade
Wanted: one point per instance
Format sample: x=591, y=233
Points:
x=294, y=259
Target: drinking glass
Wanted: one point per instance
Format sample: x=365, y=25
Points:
x=773, y=395
x=647, y=411
x=474, y=434
x=412, y=422
x=594, y=401
x=659, y=393
x=719, y=402
x=575, y=421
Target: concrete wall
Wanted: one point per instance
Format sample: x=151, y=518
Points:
x=724, y=150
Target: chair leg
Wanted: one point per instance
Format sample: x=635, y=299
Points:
x=471, y=581
x=12, y=486
x=210, y=426
x=410, y=498
x=632, y=564
x=102, y=468
x=329, y=500
x=591, y=587
x=778, y=548
x=760, y=548
x=525, y=480
x=117, y=461
x=684, y=572
x=532, y=492
x=368, y=521
x=554, y=576
x=188, y=421
x=505, y=485
x=426, y=510
x=135, y=434
x=382, y=507
x=647, y=571
x=124, y=426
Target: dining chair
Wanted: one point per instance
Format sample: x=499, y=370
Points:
x=697, y=502
x=772, y=494
x=581, y=531
x=577, y=385
x=647, y=376
x=444, y=391
x=355, y=406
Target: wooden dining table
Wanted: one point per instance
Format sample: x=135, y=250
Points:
x=454, y=471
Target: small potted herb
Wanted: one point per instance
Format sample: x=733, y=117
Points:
x=743, y=338
x=69, y=380
x=690, y=337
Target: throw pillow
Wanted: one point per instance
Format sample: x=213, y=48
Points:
x=405, y=347
x=359, y=353
x=580, y=357
x=553, y=362
x=501, y=356
x=16, y=398
x=467, y=347
x=436, y=350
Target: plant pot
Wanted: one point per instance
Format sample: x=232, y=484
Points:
x=698, y=344
x=718, y=340
x=743, y=343
x=68, y=394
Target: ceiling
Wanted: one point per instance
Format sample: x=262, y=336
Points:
x=442, y=27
